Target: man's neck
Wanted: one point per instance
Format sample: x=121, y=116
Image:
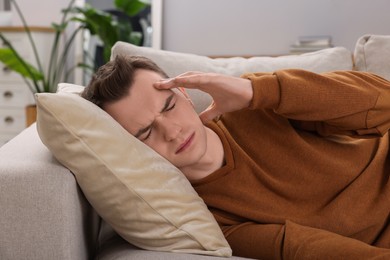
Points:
x=210, y=162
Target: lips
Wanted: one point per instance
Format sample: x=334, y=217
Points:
x=185, y=144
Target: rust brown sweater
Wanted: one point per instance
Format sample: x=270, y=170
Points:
x=307, y=168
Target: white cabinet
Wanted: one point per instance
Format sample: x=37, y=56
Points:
x=15, y=94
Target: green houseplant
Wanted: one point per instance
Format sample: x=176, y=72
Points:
x=98, y=22
x=37, y=78
x=108, y=27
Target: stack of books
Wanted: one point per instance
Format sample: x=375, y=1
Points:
x=311, y=43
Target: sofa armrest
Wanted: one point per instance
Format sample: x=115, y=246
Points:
x=44, y=215
x=372, y=54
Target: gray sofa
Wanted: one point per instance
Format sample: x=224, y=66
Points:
x=44, y=214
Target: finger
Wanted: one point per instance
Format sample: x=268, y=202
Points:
x=187, y=80
x=192, y=79
x=188, y=73
x=182, y=82
x=165, y=84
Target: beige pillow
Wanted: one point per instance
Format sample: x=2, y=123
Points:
x=142, y=196
x=174, y=63
x=372, y=54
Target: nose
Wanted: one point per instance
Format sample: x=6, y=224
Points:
x=169, y=129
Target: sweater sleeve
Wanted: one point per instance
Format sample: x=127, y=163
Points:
x=343, y=102
x=293, y=241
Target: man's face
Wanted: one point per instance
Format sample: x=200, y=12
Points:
x=165, y=120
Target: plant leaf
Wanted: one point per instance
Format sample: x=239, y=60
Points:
x=135, y=38
x=59, y=27
x=98, y=23
x=130, y=7
x=85, y=66
x=8, y=57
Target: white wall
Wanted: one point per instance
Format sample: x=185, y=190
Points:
x=39, y=13
x=247, y=27
x=267, y=27
x=44, y=13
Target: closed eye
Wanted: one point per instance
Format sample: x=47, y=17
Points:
x=149, y=131
x=171, y=107
x=148, y=134
x=168, y=106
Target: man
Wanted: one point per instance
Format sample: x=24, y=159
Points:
x=293, y=164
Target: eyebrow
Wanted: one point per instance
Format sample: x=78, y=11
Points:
x=166, y=106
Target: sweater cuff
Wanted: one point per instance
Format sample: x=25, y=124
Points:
x=266, y=90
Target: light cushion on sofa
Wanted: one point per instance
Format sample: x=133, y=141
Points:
x=174, y=63
x=143, y=197
x=372, y=54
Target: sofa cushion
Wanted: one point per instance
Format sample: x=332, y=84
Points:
x=174, y=63
x=116, y=248
x=142, y=196
x=372, y=54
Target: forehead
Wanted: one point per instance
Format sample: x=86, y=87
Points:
x=143, y=84
x=138, y=109
x=143, y=96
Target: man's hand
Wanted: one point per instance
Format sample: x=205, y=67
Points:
x=229, y=93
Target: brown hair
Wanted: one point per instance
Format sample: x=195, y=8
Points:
x=113, y=80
